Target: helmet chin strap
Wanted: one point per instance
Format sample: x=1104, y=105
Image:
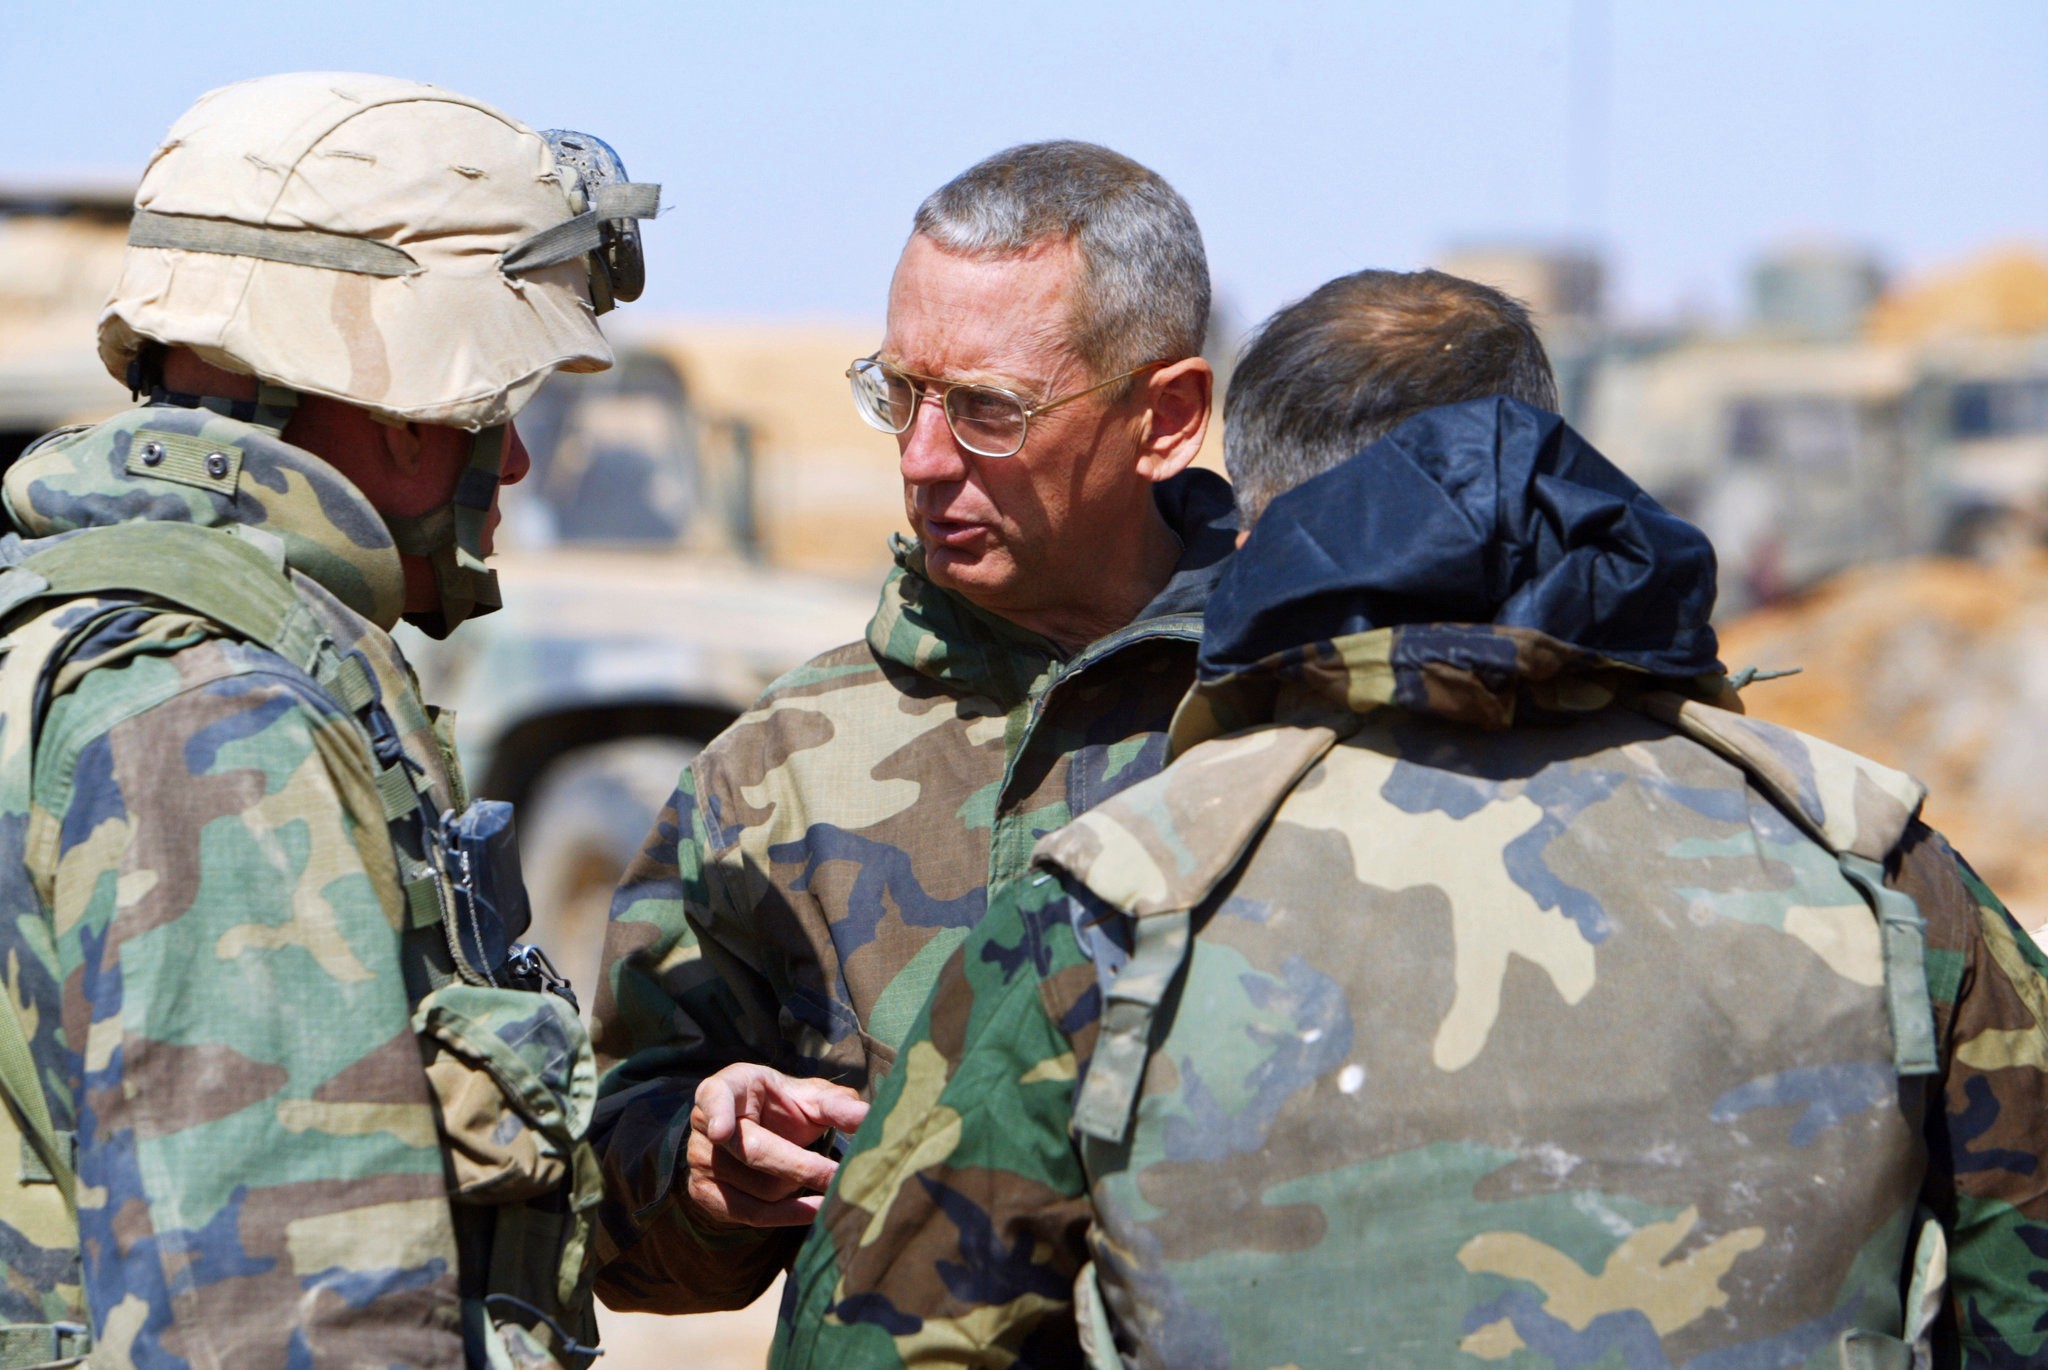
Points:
x=271, y=410
x=452, y=539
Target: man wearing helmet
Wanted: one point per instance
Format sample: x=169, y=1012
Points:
x=248, y=896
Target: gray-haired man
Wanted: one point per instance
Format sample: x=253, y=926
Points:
x=819, y=861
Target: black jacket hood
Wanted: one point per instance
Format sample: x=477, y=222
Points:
x=1491, y=511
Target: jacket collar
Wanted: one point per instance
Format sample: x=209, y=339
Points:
x=942, y=636
x=1479, y=560
x=1479, y=675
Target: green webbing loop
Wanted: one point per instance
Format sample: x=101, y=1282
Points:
x=352, y=685
x=27, y=1345
x=395, y=788
x=1159, y=946
x=423, y=900
x=1904, y=935
x=34, y=1170
x=296, y=246
x=23, y=1086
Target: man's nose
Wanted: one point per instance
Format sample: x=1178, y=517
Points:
x=929, y=455
x=518, y=461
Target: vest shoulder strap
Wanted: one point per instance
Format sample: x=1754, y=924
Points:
x=1860, y=812
x=234, y=578
x=1157, y=852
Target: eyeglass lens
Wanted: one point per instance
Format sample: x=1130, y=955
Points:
x=987, y=422
x=885, y=399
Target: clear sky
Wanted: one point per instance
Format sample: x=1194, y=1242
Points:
x=794, y=140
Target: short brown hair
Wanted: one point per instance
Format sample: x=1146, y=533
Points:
x=1331, y=374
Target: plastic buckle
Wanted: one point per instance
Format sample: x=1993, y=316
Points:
x=529, y=966
x=77, y=1333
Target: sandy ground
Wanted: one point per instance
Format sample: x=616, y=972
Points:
x=1939, y=668
x=708, y=1341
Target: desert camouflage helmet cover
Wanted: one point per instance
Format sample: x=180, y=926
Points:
x=347, y=235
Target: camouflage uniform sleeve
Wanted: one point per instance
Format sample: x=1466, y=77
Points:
x=958, y=1221
x=260, y=1177
x=1987, y=1175
x=674, y=1007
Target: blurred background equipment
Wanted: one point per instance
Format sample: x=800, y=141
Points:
x=640, y=618
x=60, y=252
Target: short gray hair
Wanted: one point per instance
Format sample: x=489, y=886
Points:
x=1144, y=289
x=1331, y=374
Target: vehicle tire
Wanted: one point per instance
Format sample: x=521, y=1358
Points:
x=587, y=816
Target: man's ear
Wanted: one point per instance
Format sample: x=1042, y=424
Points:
x=1177, y=398
x=401, y=447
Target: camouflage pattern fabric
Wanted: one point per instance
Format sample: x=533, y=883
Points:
x=1521, y=1026
x=209, y=948
x=438, y=184
x=821, y=859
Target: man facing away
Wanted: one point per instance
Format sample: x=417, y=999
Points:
x=1477, y=984
x=282, y=1092
x=820, y=859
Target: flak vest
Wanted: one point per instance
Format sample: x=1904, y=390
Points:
x=1145, y=1048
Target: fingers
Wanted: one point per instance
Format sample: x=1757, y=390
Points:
x=800, y=1109
x=720, y=1205
x=763, y=1152
x=760, y=1162
x=755, y=1180
x=836, y=1105
x=716, y=1108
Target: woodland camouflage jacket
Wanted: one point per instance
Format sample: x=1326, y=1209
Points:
x=820, y=860
x=205, y=940
x=1532, y=1015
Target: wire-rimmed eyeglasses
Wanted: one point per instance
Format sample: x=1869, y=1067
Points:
x=986, y=419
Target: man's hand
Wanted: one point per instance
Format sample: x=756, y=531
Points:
x=749, y=1134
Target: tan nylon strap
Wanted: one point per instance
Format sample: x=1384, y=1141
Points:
x=585, y=233
x=294, y=246
x=1159, y=947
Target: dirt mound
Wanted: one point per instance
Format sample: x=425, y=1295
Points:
x=2002, y=293
x=1939, y=668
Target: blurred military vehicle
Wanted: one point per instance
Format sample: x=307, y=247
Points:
x=1842, y=423
x=643, y=613
x=639, y=620
x=60, y=250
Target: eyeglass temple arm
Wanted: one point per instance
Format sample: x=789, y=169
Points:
x=1033, y=410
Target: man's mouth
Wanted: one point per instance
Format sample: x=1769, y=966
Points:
x=948, y=532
